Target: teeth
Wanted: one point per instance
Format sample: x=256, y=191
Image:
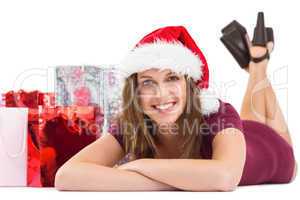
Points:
x=164, y=106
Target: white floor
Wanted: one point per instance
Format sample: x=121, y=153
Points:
x=278, y=191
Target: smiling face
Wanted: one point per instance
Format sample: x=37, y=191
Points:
x=162, y=94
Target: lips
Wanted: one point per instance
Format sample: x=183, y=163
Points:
x=166, y=107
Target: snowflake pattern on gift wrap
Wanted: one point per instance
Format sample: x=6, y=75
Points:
x=82, y=96
x=78, y=85
x=114, y=84
x=90, y=85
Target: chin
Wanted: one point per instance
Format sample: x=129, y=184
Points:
x=165, y=121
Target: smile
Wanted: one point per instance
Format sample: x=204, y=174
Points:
x=167, y=107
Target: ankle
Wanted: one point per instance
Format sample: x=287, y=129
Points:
x=258, y=51
x=258, y=68
x=257, y=73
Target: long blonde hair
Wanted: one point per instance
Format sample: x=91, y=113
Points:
x=139, y=131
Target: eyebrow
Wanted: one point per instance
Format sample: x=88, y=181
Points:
x=145, y=76
x=171, y=73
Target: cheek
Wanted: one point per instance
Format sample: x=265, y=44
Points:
x=145, y=102
x=183, y=95
x=180, y=91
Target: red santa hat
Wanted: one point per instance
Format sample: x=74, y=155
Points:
x=173, y=48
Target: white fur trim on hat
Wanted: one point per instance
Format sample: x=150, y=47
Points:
x=209, y=102
x=169, y=55
x=163, y=55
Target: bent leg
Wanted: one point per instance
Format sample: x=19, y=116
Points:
x=254, y=105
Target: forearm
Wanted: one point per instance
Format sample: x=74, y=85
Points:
x=187, y=174
x=92, y=177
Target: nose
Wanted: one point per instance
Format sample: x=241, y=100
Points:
x=163, y=91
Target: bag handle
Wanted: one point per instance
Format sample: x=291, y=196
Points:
x=23, y=138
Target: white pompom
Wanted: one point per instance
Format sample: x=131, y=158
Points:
x=209, y=102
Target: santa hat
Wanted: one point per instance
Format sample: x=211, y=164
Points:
x=173, y=48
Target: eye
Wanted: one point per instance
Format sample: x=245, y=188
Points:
x=147, y=82
x=173, y=78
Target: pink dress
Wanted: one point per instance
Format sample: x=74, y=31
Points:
x=269, y=158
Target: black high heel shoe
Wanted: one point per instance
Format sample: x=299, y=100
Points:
x=270, y=36
x=234, y=39
x=260, y=37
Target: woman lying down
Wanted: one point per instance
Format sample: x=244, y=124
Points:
x=177, y=135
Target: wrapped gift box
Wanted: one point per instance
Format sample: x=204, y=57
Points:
x=86, y=99
x=77, y=85
x=90, y=85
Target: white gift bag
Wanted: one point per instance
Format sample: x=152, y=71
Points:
x=13, y=146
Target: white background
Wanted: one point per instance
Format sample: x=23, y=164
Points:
x=36, y=35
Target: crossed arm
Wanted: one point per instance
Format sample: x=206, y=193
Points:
x=221, y=173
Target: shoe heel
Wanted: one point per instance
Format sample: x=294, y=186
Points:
x=270, y=34
x=260, y=33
